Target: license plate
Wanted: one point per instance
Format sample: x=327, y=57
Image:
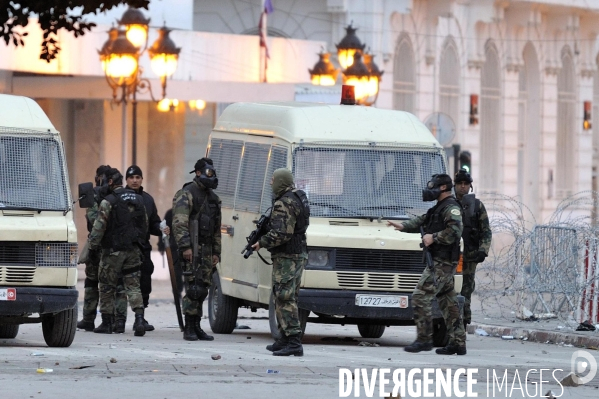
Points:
x=8, y=294
x=382, y=301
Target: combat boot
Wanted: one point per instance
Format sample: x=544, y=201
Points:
x=189, y=333
x=279, y=344
x=119, y=326
x=86, y=325
x=106, y=326
x=418, y=346
x=294, y=347
x=201, y=334
x=148, y=326
x=138, y=326
x=452, y=349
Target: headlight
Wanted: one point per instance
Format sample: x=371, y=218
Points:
x=56, y=254
x=318, y=258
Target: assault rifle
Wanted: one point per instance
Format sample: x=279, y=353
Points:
x=256, y=234
x=427, y=258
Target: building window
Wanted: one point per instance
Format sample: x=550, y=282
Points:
x=565, y=176
x=449, y=82
x=490, y=106
x=404, y=77
x=529, y=176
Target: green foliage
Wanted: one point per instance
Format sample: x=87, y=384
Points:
x=53, y=15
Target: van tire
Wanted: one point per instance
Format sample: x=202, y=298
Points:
x=59, y=329
x=222, y=309
x=440, y=337
x=272, y=318
x=371, y=330
x=9, y=330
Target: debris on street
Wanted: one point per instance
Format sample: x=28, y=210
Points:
x=215, y=357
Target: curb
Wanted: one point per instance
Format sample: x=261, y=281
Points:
x=547, y=337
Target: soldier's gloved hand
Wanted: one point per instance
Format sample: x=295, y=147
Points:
x=187, y=254
x=480, y=257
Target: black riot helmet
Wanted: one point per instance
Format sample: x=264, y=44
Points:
x=433, y=187
x=101, y=174
x=115, y=175
x=207, y=173
x=462, y=175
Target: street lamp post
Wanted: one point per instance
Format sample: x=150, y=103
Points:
x=359, y=69
x=120, y=61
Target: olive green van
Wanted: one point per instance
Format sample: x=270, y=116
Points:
x=38, y=239
x=360, y=167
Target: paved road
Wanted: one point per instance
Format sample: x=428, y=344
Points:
x=162, y=365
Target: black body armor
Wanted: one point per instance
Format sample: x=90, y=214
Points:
x=435, y=223
x=471, y=233
x=205, y=210
x=127, y=224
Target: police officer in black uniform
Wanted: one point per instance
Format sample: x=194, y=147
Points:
x=119, y=231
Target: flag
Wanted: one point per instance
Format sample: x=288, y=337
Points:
x=262, y=27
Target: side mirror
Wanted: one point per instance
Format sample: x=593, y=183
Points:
x=86, y=195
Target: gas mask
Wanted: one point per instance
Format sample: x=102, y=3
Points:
x=433, y=187
x=431, y=193
x=208, y=177
x=100, y=180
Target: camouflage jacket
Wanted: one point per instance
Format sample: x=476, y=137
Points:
x=92, y=213
x=452, y=216
x=101, y=224
x=182, y=209
x=282, y=225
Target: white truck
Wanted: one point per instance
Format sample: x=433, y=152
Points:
x=359, y=166
x=38, y=239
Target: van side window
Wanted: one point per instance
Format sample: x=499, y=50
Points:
x=277, y=159
x=226, y=155
x=251, y=179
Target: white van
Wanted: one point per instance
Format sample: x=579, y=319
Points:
x=38, y=239
x=359, y=166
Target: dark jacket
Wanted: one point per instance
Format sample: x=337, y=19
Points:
x=153, y=218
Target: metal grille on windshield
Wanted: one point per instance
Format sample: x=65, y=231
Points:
x=32, y=170
x=370, y=180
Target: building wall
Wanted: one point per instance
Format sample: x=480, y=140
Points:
x=529, y=142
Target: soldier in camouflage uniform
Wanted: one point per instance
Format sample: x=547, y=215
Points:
x=286, y=241
x=196, y=201
x=443, y=228
x=91, y=294
x=477, y=237
x=118, y=231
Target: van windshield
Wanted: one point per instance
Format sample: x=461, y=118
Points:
x=32, y=173
x=366, y=182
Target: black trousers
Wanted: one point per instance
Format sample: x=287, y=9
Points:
x=145, y=281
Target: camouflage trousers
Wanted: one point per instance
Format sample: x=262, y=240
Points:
x=203, y=275
x=113, y=266
x=468, y=288
x=446, y=296
x=91, y=295
x=286, y=280
x=145, y=285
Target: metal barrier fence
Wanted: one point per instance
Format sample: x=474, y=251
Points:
x=547, y=270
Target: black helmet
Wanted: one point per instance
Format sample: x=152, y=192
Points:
x=462, y=175
x=101, y=174
x=115, y=175
x=433, y=190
